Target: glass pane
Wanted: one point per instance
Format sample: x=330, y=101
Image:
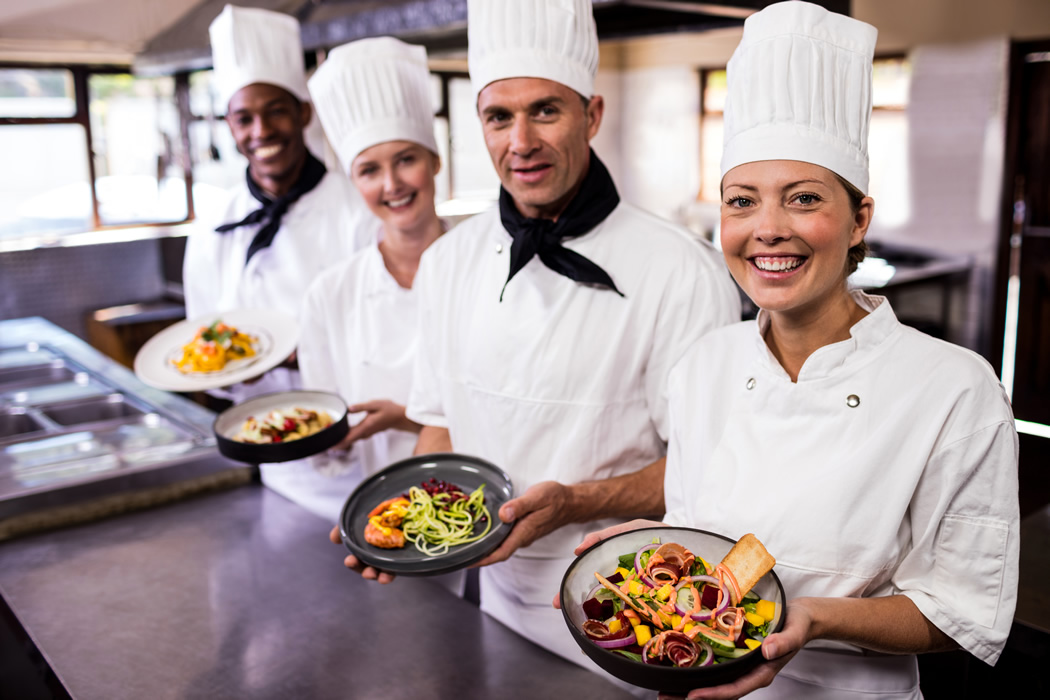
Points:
x=49, y=191
x=891, y=78
x=711, y=157
x=435, y=92
x=203, y=99
x=217, y=166
x=890, y=176
x=473, y=176
x=137, y=149
x=36, y=92
x=211, y=143
x=715, y=92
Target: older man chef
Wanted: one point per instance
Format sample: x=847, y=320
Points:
x=290, y=219
x=548, y=325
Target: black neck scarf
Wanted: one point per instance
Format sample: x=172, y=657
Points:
x=273, y=209
x=592, y=204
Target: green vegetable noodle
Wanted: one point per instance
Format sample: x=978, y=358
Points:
x=436, y=523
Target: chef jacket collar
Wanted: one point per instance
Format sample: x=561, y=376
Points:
x=865, y=336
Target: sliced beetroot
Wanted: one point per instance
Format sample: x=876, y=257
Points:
x=709, y=597
x=596, y=609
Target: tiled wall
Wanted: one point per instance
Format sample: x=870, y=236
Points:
x=64, y=285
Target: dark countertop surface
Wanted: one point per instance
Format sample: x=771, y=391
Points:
x=239, y=594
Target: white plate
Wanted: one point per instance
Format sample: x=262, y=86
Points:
x=277, y=333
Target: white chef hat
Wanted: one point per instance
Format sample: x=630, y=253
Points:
x=552, y=39
x=250, y=45
x=800, y=89
x=373, y=91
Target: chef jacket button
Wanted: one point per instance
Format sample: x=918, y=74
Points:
x=853, y=401
x=750, y=383
x=499, y=247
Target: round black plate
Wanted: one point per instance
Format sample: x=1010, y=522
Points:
x=462, y=470
x=229, y=422
x=579, y=580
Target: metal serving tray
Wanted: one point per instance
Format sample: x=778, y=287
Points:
x=59, y=421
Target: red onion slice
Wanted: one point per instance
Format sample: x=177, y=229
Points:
x=593, y=592
x=638, y=563
x=645, y=651
x=617, y=643
x=709, y=653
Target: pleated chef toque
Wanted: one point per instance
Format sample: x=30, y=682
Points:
x=373, y=91
x=249, y=46
x=552, y=39
x=800, y=89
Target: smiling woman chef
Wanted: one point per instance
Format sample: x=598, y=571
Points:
x=877, y=464
x=359, y=317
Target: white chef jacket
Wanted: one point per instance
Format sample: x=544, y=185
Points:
x=359, y=329
x=912, y=490
x=325, y=226
x=560, y=381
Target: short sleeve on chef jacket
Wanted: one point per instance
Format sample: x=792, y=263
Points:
x=962, y=570
x=700, y=301
x=424, y=401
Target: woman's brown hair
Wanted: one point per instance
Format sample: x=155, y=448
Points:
x=859, y=251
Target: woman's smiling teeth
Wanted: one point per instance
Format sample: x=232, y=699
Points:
x=264, y=152
x=777, y=264
x=397, y=203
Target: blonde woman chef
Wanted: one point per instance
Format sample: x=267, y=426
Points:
x=360, y=316
x=877, y=464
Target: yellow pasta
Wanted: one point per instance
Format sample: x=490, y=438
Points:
x=213, y=347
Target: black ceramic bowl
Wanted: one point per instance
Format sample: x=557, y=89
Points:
x=602, y=558
x=464, y=471
x=229, y=423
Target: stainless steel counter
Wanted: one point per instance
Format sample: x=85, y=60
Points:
x=76, y=427
x=239, y=594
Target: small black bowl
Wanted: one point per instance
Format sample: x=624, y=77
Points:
x=602, y=558
x=229, y=423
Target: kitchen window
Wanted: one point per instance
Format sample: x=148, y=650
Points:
x=88, y=149
x=467, y=182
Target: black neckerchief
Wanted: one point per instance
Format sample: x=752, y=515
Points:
x=596, y=200
x=273, y=209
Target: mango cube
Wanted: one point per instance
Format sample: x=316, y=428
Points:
x=643, y=634
x=765, y=609
x=665, y=591
x=752, y=644
x=615, y=626
x=755, y=620
x=635, y=587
